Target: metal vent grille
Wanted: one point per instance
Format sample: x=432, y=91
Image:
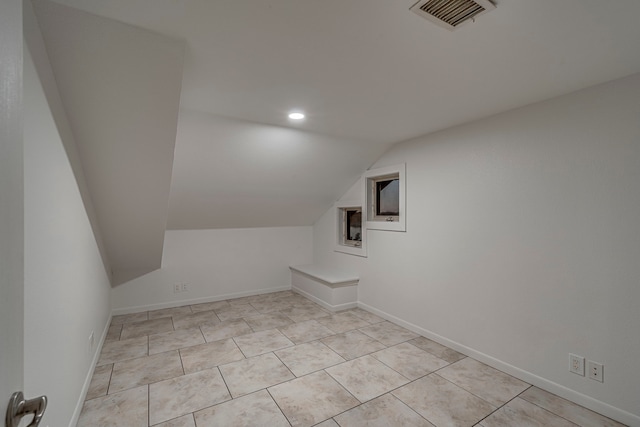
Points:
x=451, y=13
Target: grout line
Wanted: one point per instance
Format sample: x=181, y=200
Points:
x=554, y=413
x=409, y=407
x=464, y=389
x=285, y=365
x=148, y=404
x=113, y=365
x=345, y=389
x=234, y=341
x=184, y=372
x=225, y=384
x=274, y=401
x=202, y=333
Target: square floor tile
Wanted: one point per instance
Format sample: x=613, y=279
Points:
x=249, y=375
x=437, y=349
x=488, y=383
x=262, y=342
x=184, y=421
x=309, y=330
x=409, y=360
x=443, y=403
x=189, y=393
x=194, y=320
x=383, y=411
x=99, y=382
x=365, y=315
x=568, y=410
x=113, y=334
x=310, y=357
x=388, y=333
x=226, y=329
x=236, y=312
x=300, y=313
x=328, y=423
x=243, y=300
x=146, y=327
x=342, y=322
x=521, y=413
x=209, y=355
x=264, y=297
x=116, y=351
x=128, y=318
x=256, y=409
x=352, y=344
x=366, y=377
x=128, y=408
x=145, y=370
x=308, y=400
x=207, y=306
x=169, y=312
x=295, y=299
x=270, y=306
x=263, y=322
x=174, y=340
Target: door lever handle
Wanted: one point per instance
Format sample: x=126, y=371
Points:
x=18, y=408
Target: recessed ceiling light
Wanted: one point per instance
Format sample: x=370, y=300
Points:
x=296, y=115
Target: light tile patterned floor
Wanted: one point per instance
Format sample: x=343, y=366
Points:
x=280, y=360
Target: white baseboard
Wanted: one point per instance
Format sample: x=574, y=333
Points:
x=87, y=380
x=603, y=408
x=332, y=308
x=171, y=304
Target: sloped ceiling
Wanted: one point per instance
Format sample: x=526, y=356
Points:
x=120, y=87
x=232, y=174
x=368, y=73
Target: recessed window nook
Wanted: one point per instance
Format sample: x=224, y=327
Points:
x=351, y=236
x=384, y=196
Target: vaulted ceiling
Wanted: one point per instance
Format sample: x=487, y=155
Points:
x=215, y=149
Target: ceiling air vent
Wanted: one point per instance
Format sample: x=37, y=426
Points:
x=451, y=14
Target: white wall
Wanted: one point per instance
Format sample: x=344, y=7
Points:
x=65, y=284
x=218, y=264
x=11, y=202
x=522, y=243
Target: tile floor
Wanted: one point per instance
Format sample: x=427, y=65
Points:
x=281, y=360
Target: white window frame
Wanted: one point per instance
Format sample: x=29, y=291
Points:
x=388, y=223
x=341, y=246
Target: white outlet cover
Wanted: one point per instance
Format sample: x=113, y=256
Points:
x=596, y=370
x=576, y=364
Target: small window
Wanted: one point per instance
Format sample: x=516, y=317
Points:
x=385, y=198
x=352, y=227
x=351, y=236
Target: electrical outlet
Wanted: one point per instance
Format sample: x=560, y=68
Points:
x=576, y=364
x=177, y=287
x=596, y=370
x=185, y=287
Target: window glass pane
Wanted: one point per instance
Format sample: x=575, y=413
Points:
x=388, y=197
x=354, y=225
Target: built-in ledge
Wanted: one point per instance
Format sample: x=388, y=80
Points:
x=330, y=287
